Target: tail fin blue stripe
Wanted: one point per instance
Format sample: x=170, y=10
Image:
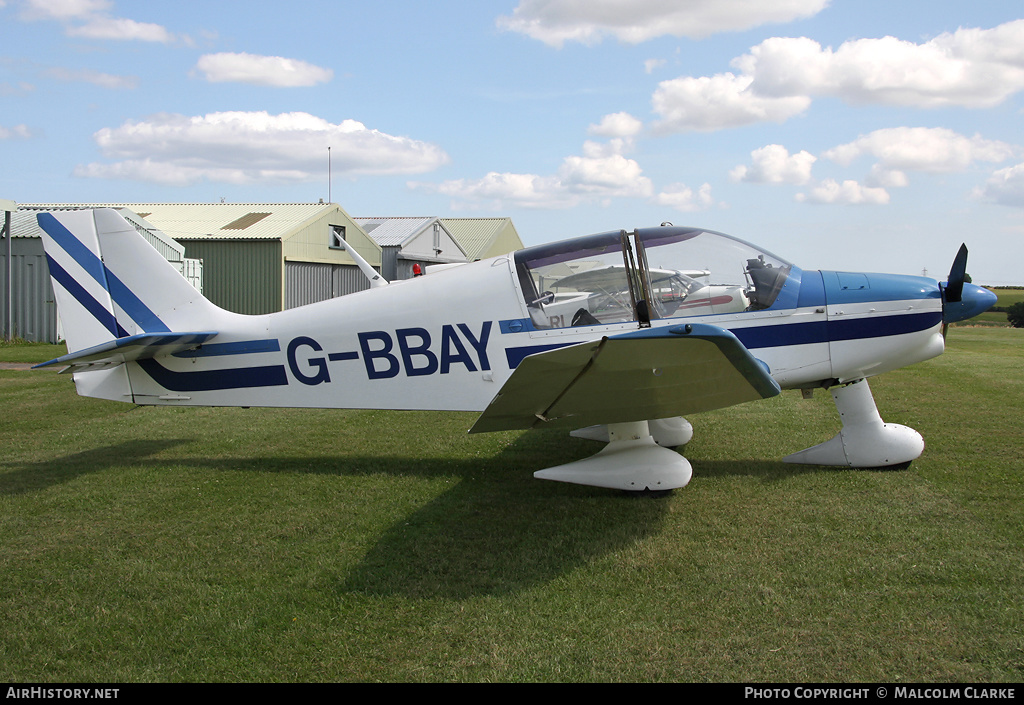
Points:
x=73, y=246
x=98, y=310
x=121, y=294
x=134, y=307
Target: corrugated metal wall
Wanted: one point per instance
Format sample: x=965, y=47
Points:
x=348, y=280
x=309, y=282
x=35, y=314
x=243, y=276
x=192, y=270
x=306, y=283
x=389, y=262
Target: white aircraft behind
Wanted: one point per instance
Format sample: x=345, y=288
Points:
x=616, y=335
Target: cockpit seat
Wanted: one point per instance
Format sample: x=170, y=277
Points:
x=583, y=317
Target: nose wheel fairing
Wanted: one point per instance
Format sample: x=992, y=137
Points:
x=865, y=441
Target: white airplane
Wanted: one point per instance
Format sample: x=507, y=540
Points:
x=616, y=335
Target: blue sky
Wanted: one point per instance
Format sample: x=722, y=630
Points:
x=846, y=135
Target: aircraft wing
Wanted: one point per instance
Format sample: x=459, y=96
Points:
x=134, y=347
x=646, y=374
x=611, y=278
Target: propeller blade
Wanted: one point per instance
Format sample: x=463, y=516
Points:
x=955, y=284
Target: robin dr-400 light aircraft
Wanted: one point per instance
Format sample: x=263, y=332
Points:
x=616, y=336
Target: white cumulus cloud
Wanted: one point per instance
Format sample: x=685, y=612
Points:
x=604, y=176
x=721, y=101
x=652, y=64
x=928, y=149
x=848, y=192
x=97, y=78
x=63, y=9
x=1005, y=186
x=774, y=164
x=245, y=147
x=617, y=125
x=501, y=190
x=261, y=70
x=683, y=198
x=91, y=19
x=555, y=22
x=122, y=29
x=970, y=67
x=780, y=77
x=20, y=132
x=601, y=173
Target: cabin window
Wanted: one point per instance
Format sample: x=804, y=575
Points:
x=699, y=273
x=653, y=273
x=577, y=282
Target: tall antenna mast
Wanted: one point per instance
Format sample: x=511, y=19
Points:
x=329, y=199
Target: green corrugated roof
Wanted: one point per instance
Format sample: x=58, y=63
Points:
x=476, y=234
x=208, y=220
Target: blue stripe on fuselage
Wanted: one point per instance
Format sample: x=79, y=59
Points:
x=784, y=334
x=779, y=334
x=241, y=347
x=215, y=380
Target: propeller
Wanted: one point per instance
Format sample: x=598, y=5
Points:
x=953, y=292
x=955, y=283
x=960, y=300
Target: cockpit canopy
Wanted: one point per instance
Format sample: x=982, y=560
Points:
x=652, y=273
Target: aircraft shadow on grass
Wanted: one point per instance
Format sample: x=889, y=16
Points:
x=21, y=478
x=496, y=531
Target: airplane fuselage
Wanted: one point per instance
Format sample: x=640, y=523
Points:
x=450, y=339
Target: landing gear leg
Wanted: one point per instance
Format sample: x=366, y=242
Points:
x=670, y=433
x=865, y=441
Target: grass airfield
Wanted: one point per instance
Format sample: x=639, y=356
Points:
x=173, y=544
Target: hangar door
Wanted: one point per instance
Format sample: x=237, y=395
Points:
x=309, y=282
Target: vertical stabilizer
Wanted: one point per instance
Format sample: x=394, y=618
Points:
x=79, y=278
x=110, y=283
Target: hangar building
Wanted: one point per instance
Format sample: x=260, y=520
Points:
x=262, y=257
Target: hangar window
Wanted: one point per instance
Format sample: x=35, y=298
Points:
x=337, y=237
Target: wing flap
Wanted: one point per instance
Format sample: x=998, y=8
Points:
x=133, y=347
x=647, y=374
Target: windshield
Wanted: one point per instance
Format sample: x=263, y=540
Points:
x=665, y=272
x=724, y=274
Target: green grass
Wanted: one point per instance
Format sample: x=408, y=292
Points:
x=1005, y=297
x=1008, y=296
x=172, y=544
x=22, y=351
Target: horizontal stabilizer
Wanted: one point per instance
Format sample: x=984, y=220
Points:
x=648, y=374
x=133, y=347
